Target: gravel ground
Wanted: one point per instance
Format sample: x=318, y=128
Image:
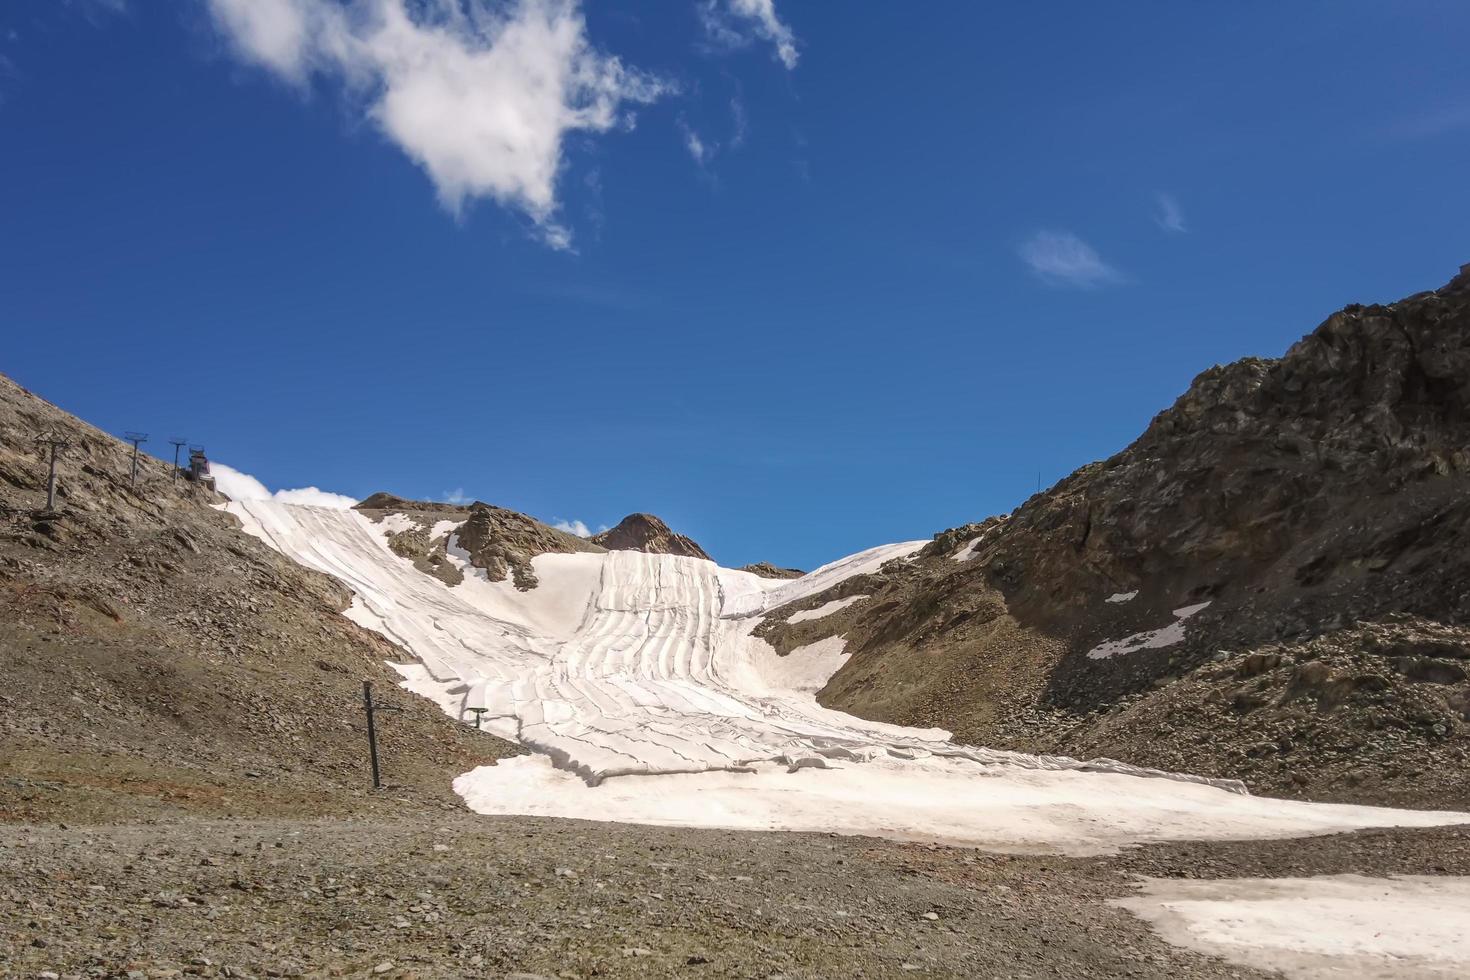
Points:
x=460, y=895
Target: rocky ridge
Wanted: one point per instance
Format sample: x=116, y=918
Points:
x=766, y=570
x=645, y=532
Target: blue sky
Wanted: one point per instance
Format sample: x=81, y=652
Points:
x=800, y=278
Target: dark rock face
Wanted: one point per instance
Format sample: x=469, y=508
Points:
x=766, y=570
x=644, y=532
x=1294, y=495
x=1308, y=496
x=503, y=542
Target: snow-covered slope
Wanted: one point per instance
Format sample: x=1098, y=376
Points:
x=634, y=680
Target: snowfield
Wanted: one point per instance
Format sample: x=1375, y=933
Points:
x=1333, y=926
x=635, y=682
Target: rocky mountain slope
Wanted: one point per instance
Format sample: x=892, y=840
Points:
x=644, y=532
x=1272, y=582
x=158, y=660
x=500, y=541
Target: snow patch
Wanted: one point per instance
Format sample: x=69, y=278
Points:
x=783, y=591
x=922, y=798
x=968, y=551
x=1149, y=639
x=442, y=528
x=393, y=523
x=1345, y=926
x=825, y=609
x=807, y=668
x=1123, y=596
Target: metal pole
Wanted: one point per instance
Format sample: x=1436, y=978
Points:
x=177, y=444
x=54, y=444
x=51, y=479
x=135, y=438
x=367, y=704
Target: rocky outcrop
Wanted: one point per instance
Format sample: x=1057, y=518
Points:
x=390, y=503
x=1277, y=501
x=644, y=532
x=766, y=570
x=503, y=542
x=424, y=537
x=1294, y=495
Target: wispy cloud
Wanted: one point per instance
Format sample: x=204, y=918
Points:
x=481, y=97
x=1432, y=122
x=95, y=10
x=739, y=120
x=700, y=150
x=735, y=23
x=574, y=527
x=1060, y=258
x=457, y=496
x=242, y=486
x=704, y=149
x=1168, y=215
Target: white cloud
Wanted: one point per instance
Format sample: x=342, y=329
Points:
x=95, y=10
x=1169, y=216
x=312, y=497
x=1432, y=122
x=573, y=527
x=732, y=22
x=480, y=96
x=1061, y=258
x=457, y=496
x=702, y=148
x=697, y=147
x=740, y=121
x=242, y=486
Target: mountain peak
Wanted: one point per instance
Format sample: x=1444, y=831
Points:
x=645, y=532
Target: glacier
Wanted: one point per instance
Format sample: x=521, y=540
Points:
x=636, y=685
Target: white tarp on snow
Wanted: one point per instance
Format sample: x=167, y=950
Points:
x=635, y=680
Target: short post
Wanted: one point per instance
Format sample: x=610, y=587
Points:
x=367, y=704
x=478, y=713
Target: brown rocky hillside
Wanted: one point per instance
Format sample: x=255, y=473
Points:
x=1310, y=518
x=160, y=661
